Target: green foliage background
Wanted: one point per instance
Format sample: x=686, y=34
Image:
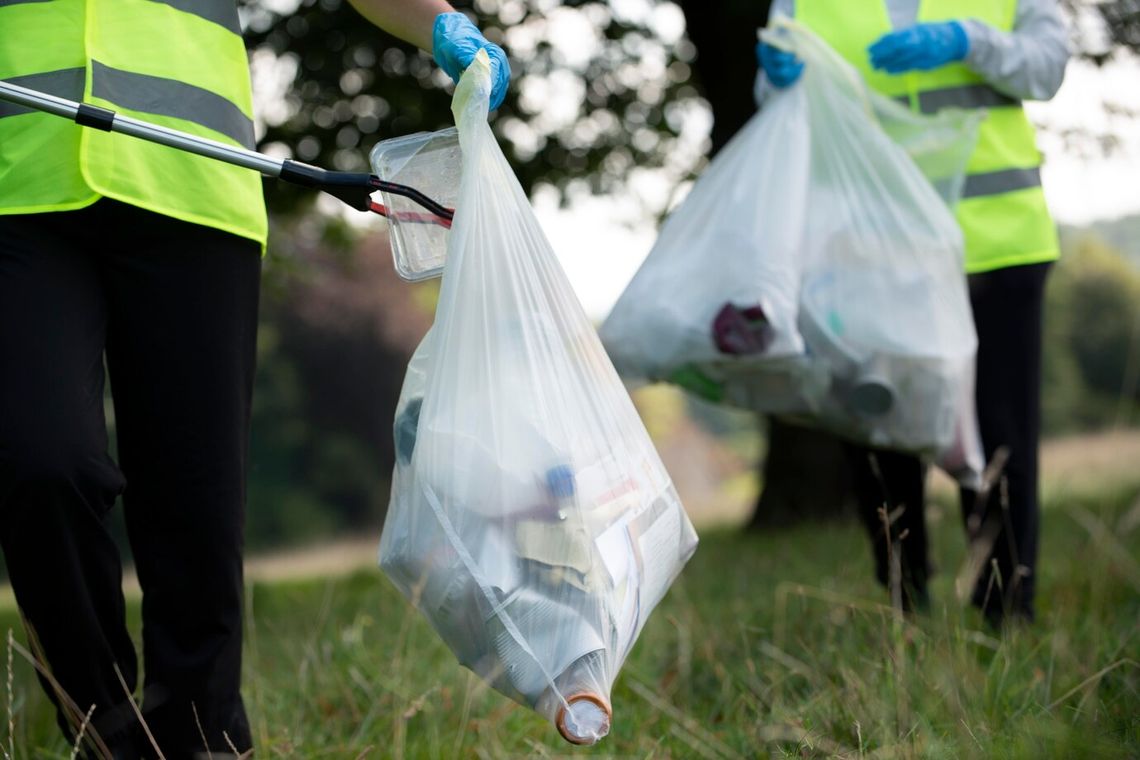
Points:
x=1092, y=338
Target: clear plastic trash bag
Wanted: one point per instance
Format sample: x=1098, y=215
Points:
x=531, y=520
x=816, y=273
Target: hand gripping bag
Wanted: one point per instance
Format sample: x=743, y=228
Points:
x=531, y=520
x=815, y=272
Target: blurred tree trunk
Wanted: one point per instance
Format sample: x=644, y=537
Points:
x=724, y=34
x=805, y=475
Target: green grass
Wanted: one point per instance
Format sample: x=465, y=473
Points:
x=768, y=645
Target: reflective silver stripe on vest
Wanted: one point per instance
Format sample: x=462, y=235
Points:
x=65, y=83
x=1004, y=181
x=221, y=12
x=169, y=97
x=965, y=96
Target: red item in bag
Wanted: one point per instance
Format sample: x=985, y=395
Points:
x=741, y=331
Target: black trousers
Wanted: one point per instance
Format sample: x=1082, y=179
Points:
x=890, y=491
x=173, y=308
x=1008, y=306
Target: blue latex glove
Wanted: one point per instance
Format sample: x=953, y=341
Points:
x=455, y=41
x=923, y=47
x=781, y=67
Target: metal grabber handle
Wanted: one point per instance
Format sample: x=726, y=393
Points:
x=353, y=188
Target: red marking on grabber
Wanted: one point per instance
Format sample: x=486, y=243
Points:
x=415, y=217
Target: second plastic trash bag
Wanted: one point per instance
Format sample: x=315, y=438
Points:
x=531, y=520
x=814, y=272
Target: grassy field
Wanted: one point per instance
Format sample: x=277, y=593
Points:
x=769, y=645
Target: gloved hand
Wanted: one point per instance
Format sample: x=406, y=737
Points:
x=923, y=47
x=781, y=67
x=455, y=41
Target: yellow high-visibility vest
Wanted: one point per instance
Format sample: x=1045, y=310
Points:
x=176, y=63
x=1003, y=212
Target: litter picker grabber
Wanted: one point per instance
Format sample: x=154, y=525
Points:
x=353, y=188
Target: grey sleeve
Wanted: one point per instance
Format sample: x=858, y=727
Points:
x=1027, y=63
x=763, y=87
x=782, y=7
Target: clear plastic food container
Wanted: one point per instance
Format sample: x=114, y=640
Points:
x=429, y=162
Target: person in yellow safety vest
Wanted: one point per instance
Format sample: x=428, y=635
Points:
x=111, y=247
x=990, y=54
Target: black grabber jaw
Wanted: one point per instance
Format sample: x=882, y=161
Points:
x=353, y=188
